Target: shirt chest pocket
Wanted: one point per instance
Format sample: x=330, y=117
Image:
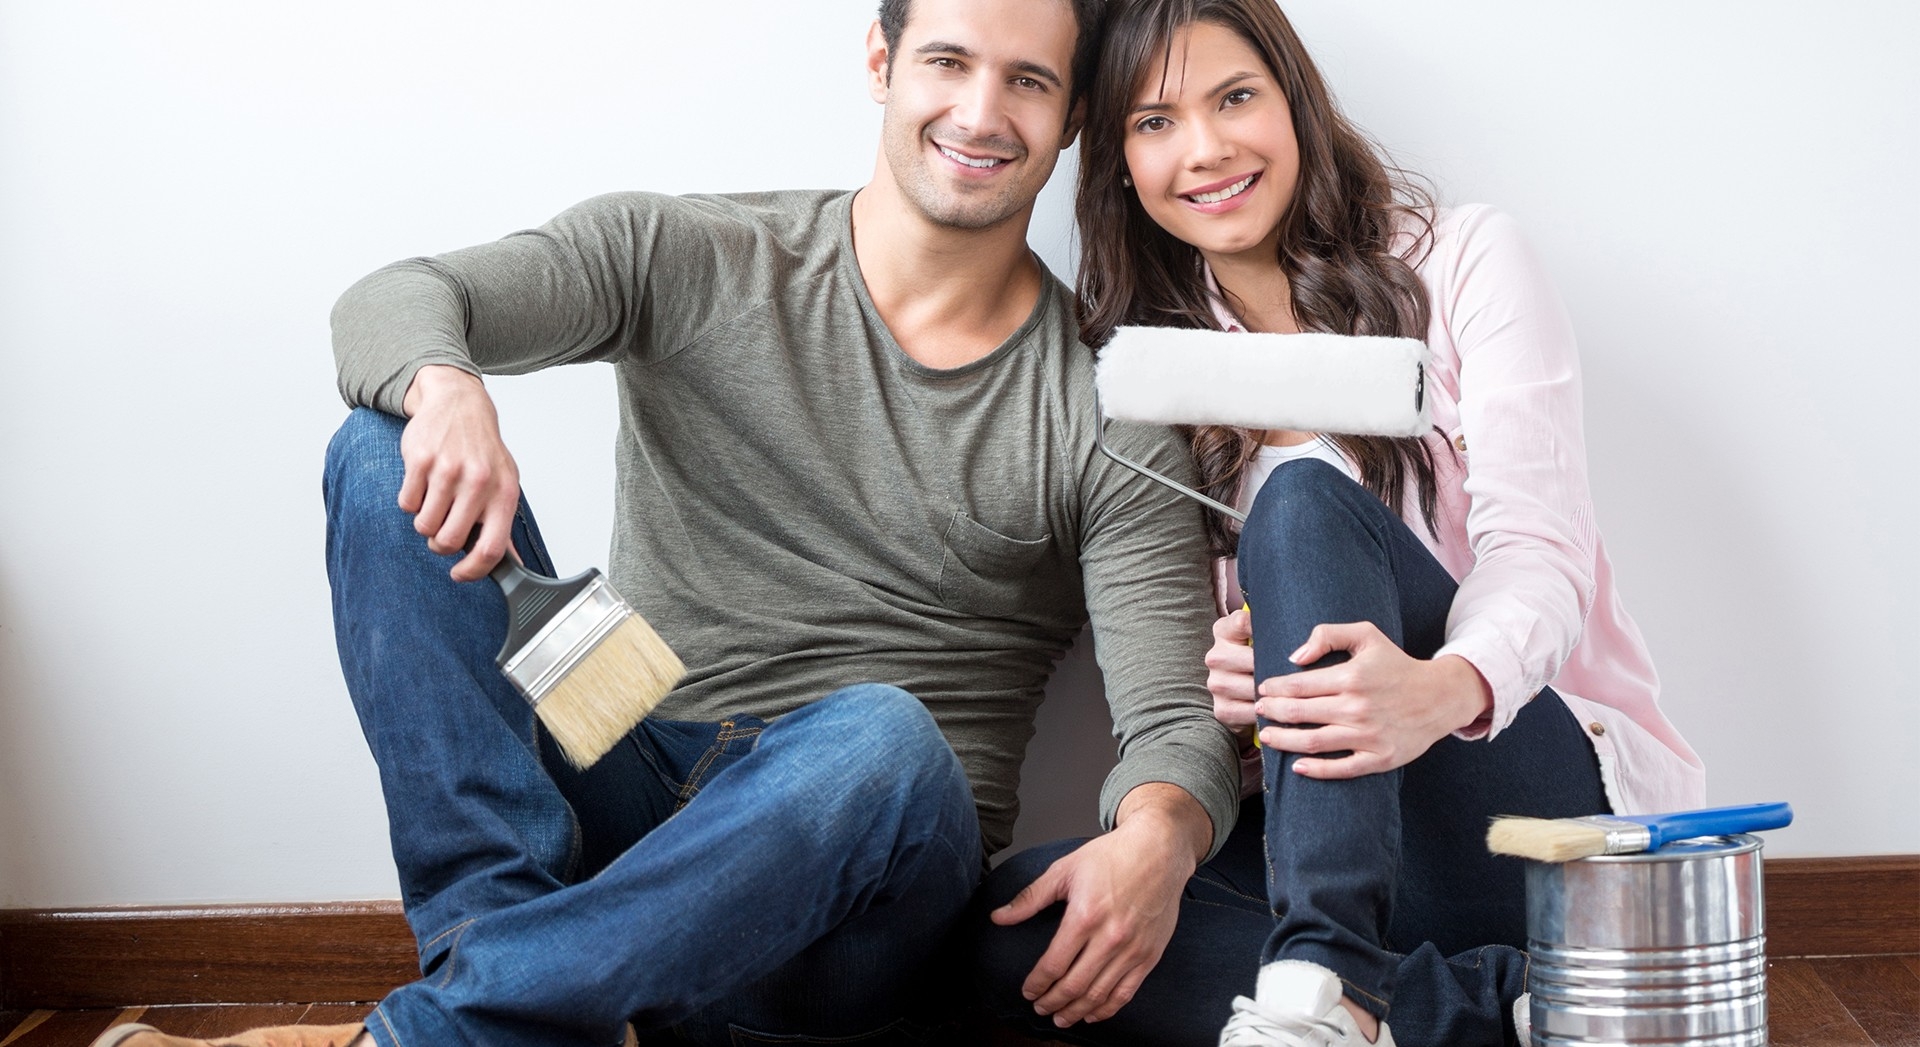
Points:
x=985, y=572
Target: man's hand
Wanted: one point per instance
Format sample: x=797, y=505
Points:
x=459, y=473
x=1383, y=705
x=1230, y=671
x=1123, y=895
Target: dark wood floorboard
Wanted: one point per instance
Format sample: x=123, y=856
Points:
x=1845, y=1001
x=66, y=1029
x=1803, y=1012
x=1881, y=992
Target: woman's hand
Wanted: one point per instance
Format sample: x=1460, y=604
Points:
x=1230, y=670
x=1382, y=705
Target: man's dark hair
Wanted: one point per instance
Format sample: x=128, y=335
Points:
x=1088, y=15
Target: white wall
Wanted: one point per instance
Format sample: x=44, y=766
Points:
x=1724, y=191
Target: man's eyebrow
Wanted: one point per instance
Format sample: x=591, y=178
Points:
x=1034, y=69
x=1148, y=107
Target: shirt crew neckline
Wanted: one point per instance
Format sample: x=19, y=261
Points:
x=850, y=268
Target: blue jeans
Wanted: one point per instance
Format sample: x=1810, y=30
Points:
x=738, y=882
x=1385, y=879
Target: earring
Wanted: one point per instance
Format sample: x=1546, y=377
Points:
x=1126, y=180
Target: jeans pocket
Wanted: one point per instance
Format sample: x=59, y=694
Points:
x=900, y=1032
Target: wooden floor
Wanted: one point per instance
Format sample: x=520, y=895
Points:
x=1845, y=1001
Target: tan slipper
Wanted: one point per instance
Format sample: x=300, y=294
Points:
x=119, y=1035
x=137, y=1035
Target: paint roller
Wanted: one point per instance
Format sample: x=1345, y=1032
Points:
x=1336, y=384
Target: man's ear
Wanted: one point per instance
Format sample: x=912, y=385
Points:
x=879, y=63
x=1076, y=118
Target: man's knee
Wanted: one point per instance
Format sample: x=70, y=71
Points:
x=881, y=727
x=363, y=467
x=874, y=749
x=1013, y=875
x=1002, y=957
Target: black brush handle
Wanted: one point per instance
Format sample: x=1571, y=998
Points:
x=532, y=602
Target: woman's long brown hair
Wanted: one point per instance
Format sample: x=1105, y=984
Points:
x=1348, y=271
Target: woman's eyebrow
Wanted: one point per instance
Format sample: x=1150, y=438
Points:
x=1219, y=88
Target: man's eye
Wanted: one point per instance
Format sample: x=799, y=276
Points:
x=1029, y=83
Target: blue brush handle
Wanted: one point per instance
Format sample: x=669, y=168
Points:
x=1715, y=821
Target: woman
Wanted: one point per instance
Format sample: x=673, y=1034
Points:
x=1412, y=599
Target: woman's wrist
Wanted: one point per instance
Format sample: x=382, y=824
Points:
x=1469, y=696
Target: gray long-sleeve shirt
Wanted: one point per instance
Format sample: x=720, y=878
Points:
x=801, y=506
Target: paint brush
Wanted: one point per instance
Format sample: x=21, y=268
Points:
x=1355, y=385
x=591, y=667
x=1565, y=839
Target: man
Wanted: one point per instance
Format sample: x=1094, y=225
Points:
x=856, y=445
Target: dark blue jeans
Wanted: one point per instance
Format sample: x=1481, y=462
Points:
x=711, y=883
x=1386, y=878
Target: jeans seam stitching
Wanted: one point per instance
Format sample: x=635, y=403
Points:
x=391, y=1031
x=1349, y=984
x=453, y=954
x=442, y=935
x=1236, y=892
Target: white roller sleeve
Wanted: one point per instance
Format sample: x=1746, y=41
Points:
x=1321, y=383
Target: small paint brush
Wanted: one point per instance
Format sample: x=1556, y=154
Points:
x=591, y=667
x=1565, y=839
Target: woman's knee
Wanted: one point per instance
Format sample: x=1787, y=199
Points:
x=1308, y=507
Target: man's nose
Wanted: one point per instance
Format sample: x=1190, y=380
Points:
x=981, y=109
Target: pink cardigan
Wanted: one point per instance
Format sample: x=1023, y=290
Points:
x=1537, y=603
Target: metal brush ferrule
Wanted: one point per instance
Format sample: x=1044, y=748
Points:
x=1623, y=837
x=570, y=637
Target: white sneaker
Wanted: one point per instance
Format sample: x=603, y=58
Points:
x=1523, y=1019
x=1297, y=1004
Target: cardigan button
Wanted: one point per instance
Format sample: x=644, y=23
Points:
x=1598, y=729
x=1460, y=443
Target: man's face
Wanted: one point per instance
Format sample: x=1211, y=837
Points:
x=976, y=102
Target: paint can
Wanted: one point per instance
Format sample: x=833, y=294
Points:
x=1665, y=947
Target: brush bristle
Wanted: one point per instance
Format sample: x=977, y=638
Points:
x=1546, y=839
x=610, y=691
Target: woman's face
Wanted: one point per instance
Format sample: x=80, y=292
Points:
x=1211, y=150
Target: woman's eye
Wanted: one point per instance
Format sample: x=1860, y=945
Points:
x=1239, y=96
x=1151, y=124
